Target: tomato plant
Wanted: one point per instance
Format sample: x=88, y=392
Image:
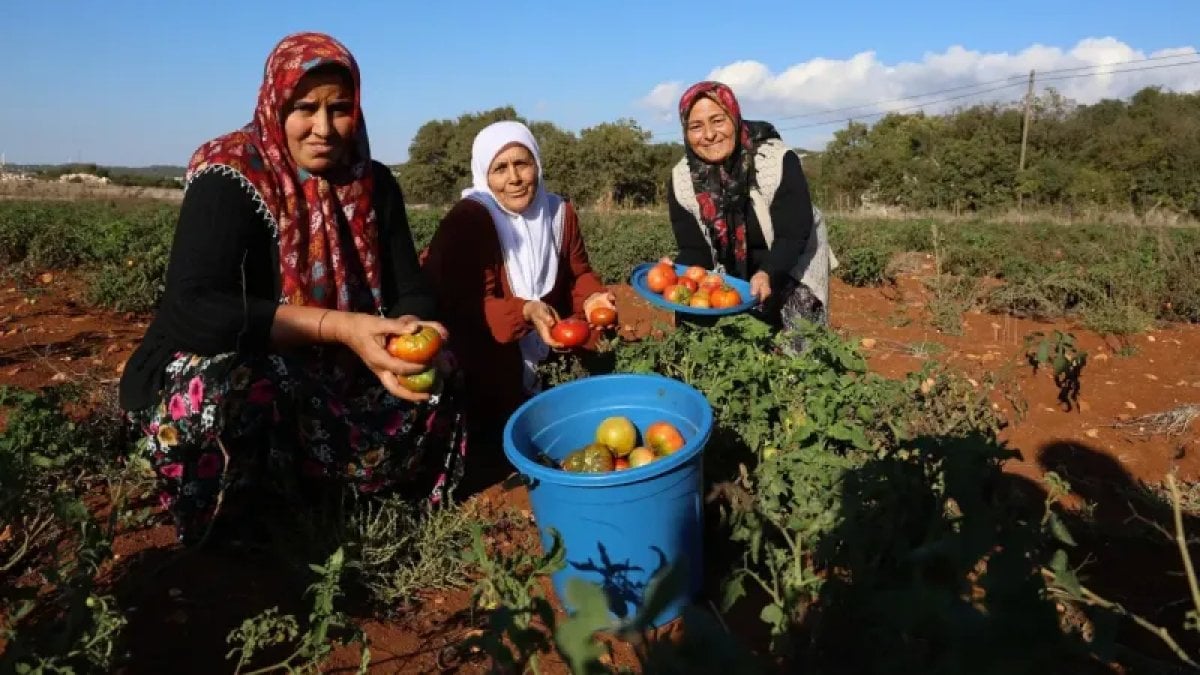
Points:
x=418, y=347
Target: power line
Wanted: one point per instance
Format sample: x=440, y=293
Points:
x=1011, y=78
x=1009, y=83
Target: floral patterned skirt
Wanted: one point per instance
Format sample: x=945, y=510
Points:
x=226, y=423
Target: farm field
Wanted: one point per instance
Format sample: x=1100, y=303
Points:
x=987, y=464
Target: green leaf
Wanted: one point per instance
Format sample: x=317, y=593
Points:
x=1064, y=576
x=734, y=590
x=1059, y=530
x=576, y=636
x=1043, y=352
x=666, y=586
x=772, y=615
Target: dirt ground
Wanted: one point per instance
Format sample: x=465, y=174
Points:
x=180, y=615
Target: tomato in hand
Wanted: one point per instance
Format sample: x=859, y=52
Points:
x=418, y=347
x=603, y=317
x=421, y=382
x=570, y=332
x=660, y=276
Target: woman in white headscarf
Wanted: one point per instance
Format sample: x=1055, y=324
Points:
x=507, y=263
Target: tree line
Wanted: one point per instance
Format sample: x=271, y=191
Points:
x=1136, y=154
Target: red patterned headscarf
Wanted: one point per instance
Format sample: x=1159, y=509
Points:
x=723, y=190
x=305, y=208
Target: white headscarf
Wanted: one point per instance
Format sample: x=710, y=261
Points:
x=529, y=240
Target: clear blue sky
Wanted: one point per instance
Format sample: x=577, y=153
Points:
x=134, y=83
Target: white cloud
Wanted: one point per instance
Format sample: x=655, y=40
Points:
x=792, y=97
x=663, y=98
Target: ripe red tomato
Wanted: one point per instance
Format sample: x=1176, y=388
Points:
x=570, y=332
x=663, y=438
x=421, y=382
x=712, y=282
x=603, y=316
x=419, y=347
x=690, y=283
x=678, y=294
x=696, y=273
x=660, y=276
x=726, y=297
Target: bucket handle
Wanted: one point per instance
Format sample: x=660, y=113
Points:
x=517, y=480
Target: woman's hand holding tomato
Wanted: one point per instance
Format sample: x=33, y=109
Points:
x=368, y=336
x=600, y=308
x=543, y=317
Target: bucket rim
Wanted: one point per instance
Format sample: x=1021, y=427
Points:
x=684, y=455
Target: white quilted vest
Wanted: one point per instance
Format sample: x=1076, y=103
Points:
x=815, y=262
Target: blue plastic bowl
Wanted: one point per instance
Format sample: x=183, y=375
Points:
x=620, y=528
x=638, y=281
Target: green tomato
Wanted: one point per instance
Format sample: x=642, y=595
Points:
x=421, y=382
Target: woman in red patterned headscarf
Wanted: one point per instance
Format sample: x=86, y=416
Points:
x=739, y=202
x=291, y=265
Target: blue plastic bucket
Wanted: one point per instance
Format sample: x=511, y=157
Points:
x=621, y=528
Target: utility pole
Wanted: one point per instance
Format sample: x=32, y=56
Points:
x=1025, y=134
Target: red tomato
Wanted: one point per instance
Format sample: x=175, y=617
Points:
x=712, y=282
x=690, y=283
x=678, y=294
x=660, y=276
x=696, y=273
x=603, y=316
x=663, y=438
x=726, y=297
x=419, y=347
x=570, y=332
x=620, y=463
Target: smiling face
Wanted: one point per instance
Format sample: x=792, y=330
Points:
x=513, y=177
x=319, y=119
x=710, y=131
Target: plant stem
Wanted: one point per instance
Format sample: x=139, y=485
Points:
x=1162, y=633
x=1181, y=540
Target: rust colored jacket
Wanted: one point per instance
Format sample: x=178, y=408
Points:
x=465, y=266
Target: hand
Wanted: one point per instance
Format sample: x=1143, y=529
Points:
x=543, y=317
x=599, y=299
x=366, y=335
x=760, y=286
